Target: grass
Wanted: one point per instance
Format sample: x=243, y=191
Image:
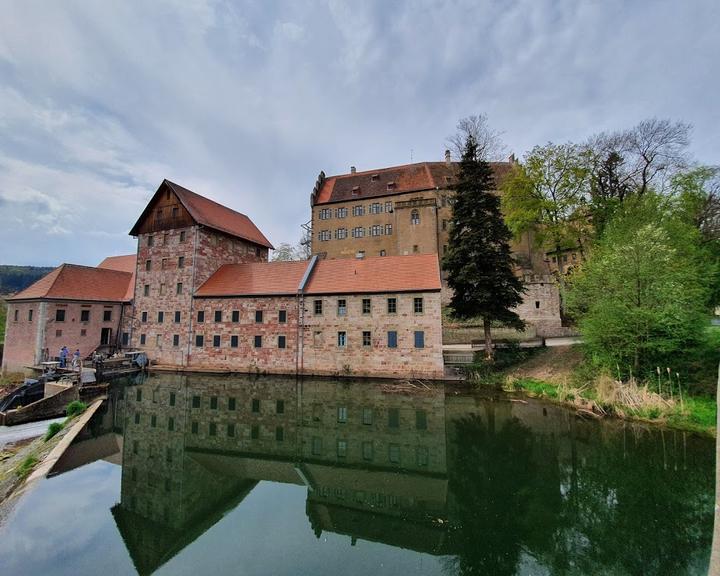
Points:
x=23, y=471
x=53, y=429
x=74, y=408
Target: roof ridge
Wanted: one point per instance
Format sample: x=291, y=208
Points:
x=173, y=185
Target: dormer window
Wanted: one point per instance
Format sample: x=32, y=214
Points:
x=375, y=177
x=356, y=191
x=391, y=185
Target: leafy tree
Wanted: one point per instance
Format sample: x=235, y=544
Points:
x=608, y=189
x=479, y=260
x=642, y=295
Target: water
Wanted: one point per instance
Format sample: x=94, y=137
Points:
x=325, y=477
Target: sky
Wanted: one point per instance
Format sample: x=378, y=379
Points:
x=246, y=102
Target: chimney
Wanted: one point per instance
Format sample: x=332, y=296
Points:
x=447, y=157
x=352, y=169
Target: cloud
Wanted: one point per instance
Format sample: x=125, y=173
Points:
x=247, y=101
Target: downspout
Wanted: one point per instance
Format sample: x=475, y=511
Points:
x=192, y=298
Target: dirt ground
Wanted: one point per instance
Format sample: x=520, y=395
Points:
x=554, y=365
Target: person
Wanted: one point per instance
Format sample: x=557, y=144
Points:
x=76, y=359
x=63, y=356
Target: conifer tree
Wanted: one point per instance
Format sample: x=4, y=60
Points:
x=479, y=261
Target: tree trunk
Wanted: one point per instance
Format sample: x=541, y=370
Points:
x=488, y=340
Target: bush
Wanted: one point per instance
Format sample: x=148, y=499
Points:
x=74, y=408
x=53, y=429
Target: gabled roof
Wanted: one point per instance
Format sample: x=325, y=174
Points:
x=126, y=263
x=402, y=179
x=73, y=282
x=415, y=273
x=209, y=213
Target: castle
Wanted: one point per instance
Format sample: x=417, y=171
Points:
x=200, y=294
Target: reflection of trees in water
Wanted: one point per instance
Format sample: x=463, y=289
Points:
x=628, y=505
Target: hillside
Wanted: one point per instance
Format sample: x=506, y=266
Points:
x=16, y=278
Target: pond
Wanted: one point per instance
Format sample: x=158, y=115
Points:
x=182, y=474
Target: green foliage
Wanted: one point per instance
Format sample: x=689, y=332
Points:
x=536, y=387
x=479, y=261
x=641, y=298
x=53, y=429
x=23, y=471
x=16, y=278
x=74, y=408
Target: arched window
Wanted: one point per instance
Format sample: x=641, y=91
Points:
x=414, y=217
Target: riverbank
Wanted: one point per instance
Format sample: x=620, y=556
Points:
x=561, y=376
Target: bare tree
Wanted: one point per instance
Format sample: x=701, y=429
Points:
x=490, y=146
x=284, y=253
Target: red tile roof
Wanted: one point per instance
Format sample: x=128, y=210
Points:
x=73, y=282
x=258, y=278
x=416, y=273
x=211, y=214
x=126, y=263
x=404, y=179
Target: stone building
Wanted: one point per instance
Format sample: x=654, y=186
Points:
x=407, y=209
x=80, y=307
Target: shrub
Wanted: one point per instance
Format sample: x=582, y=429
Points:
x=53, y=429
x=74, y=408
x=27, y=465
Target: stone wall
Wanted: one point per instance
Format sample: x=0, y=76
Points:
x=21, y=335
x=541, y=305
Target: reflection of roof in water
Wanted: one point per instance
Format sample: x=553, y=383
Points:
x=107, y=447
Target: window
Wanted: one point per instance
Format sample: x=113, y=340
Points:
x=316, y=446
x=444, y=224
x=172, y=398
x=194, y=427
x=394, y=453
x=318, y=305
x=236, y=315
x=325, y=214
x=254, y=432
x=143, y=317
x=216, y=341
x=341, y=233
x=84, y=315
x=58, y=333
x=178, y=315
x=142, y=339
x=392, y=339
x=421, y=456
x=282, y=316
x=366, y=306
x=281, y=342
x=554, y=259
x=418, y=305
x=59, y=315
x=83, y=332
x=279, y=434
x=218, y=315
x=258, y=341
x=231, y=430
x=324, y=235
x=16, y=316
x=367, y=450
x=342, y=414
x=161, y=317
x=393, y=418
x=199, y=340
x=148, y=265
x=181, y=261
x=375, y=208
x=234, y=341
x=213, y=402
x=341, y=213
x=231, y=404
x=201, y=316
x=366, y=338
x=280, y=407
x=375, y=230
x=171, y=424
x=196, y=402
x=182, y=235
x=258, y=316
x=419, y=339
x=358, y=232
x=163, y=263
x=125, y=338
x=342, y=448
x=388, y=229
x=358, y=210
x=415, y=249
x=388, y=206
x=153, y=421
x=392, y=305
x=421, y=419
x=146, y=290
x=342, y=339
x=137, y=417
x=255, y=406
x=138, y=395
x=151, y=241
x=537, y=303
x=382, y=252
x=367, y=416
x=178, y=288
x=176, y=340
x=212, y=429
x=341, y=307
x=414, y=217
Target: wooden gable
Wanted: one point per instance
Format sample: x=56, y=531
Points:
x=163, y=212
